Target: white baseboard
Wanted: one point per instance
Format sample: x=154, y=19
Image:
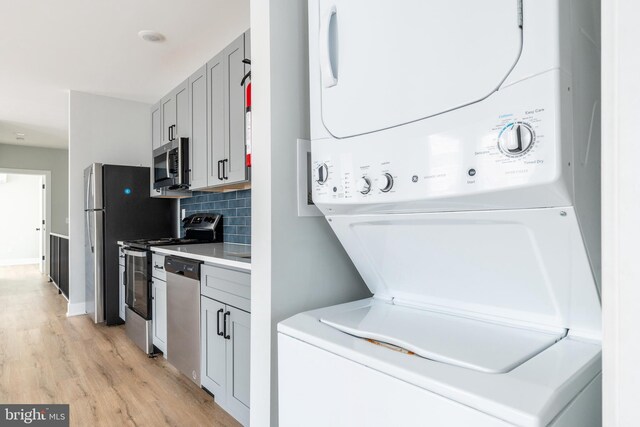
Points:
x=75, y=309
x=19, y=261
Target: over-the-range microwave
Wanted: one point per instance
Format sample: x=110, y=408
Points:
x=171, y=165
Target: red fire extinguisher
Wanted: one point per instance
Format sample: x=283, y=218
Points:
x=247, y=111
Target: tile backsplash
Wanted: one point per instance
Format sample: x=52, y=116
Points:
x=235, y=207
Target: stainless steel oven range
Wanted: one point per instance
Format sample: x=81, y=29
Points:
x=199, y=228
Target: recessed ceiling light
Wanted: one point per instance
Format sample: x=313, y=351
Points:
x=151, y=36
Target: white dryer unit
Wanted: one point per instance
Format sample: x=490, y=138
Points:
x=456, y=149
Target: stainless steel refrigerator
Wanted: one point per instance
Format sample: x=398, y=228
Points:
x=117, y=207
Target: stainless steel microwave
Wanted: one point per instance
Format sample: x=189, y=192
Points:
x=171, y=165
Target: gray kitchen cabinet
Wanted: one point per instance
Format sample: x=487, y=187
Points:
x=213, y=369
x=216, y=119
x=226, y=115
x=239, y=353
x=198, y=153
x=159, y=313
x=225, y=334
x=156, y=127
x=174, y=113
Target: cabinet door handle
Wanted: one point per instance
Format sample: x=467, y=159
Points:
x=226, y=316
x=173, y=133
x=219, y=172
x=224, y=168
x=158, y=267
x=169, y=132
x=218, y=322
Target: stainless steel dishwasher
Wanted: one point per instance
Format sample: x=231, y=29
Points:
x=183, y=315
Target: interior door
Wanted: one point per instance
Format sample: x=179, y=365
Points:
x=213, y=361
x=238, y=358
x=384, y=64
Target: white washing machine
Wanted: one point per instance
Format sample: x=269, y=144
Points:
x=456, y=149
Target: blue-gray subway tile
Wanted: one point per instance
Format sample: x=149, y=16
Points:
x=221, y=204
x=243, y=194
x=243, y=212
x=244, y=230
x=228, y=196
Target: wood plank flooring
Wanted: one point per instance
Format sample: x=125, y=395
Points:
x=46, y=357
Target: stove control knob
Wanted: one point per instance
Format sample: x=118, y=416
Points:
x=516, y=139
x=364, y=185
x=323, y=173
x=385, y=182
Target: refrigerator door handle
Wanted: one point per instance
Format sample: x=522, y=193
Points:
x=88, y=227
x=86, y=205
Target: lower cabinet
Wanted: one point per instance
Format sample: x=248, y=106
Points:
x=225, y=344
x=159, y=314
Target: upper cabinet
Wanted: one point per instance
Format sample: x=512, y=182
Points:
x=209, y=108
x=199, y=153
x=174, y=109
x=156, y=127
x=226, y=114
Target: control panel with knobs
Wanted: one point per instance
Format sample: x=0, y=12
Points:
x=364, y=185
x=516, y=139
x=323, y=173
x=385, y=182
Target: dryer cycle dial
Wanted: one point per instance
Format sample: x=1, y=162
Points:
x=516, y=139
x=323, y=173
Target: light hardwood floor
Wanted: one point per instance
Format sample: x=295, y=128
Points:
x=46, y=357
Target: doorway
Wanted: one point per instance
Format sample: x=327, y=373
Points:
x=24, y=218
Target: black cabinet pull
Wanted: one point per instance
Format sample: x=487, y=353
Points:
x=218, y=322
x=226, y=316
x=169, y=131
x=158, y=267
x=224, y=168
x=219, y=172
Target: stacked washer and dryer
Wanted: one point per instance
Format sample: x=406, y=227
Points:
x=456, y=149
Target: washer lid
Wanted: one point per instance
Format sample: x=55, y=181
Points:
x=522, y=267
x=468, y=343
x=384, y=64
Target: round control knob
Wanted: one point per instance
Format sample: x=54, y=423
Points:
x=364, y=185
x=516, y=139
x=385, y=182
x=323, y=173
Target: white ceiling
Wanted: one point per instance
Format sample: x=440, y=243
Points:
x=48, y=47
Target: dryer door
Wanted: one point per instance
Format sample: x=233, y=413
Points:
x=384, y=63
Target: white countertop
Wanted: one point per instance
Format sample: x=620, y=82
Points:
x=223, y=254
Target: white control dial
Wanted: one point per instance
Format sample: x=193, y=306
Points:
x=323, y=173
x=364, y=185
x=516, y=139
x=385, y=182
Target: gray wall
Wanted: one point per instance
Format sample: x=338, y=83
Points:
x=297, y=263
x=47, y=159
x=101, y=130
